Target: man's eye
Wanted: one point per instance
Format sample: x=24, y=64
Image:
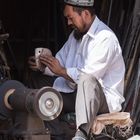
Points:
x=70, y=18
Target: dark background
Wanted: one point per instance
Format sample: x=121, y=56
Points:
x=40, y=23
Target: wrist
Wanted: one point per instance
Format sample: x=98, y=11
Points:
x=63, y=72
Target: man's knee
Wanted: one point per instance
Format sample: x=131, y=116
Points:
x=90, y=85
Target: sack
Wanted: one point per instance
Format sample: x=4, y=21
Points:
x=119, y=123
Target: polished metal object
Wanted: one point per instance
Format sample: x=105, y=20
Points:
x=26, y=109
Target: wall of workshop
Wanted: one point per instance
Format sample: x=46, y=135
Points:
x=31, y=24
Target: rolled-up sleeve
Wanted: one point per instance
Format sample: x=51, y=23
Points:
x=73, y=73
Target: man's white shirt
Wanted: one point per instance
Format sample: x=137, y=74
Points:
x=98, y=53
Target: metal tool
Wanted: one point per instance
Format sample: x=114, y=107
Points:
x=27, y=109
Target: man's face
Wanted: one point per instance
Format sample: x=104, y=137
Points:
x=74, y=20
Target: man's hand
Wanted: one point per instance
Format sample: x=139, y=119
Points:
x=52, y=63
x=32, y=63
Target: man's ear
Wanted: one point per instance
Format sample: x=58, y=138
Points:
x=86, y=15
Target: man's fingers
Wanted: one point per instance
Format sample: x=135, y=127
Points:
x=47, y=57
x=30, y=62
x=46, y=60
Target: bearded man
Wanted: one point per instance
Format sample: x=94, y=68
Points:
x=89, y=69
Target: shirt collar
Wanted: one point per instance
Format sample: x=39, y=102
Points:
x=94, y=26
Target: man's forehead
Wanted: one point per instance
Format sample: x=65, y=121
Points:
x=68, y=10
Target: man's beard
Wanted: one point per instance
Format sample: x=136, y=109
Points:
x=78, y=35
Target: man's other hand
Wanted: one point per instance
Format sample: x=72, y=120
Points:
x=32, y=63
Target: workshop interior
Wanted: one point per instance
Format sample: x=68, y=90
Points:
x=26, y=25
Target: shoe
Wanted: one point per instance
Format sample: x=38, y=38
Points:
x=79, y=136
